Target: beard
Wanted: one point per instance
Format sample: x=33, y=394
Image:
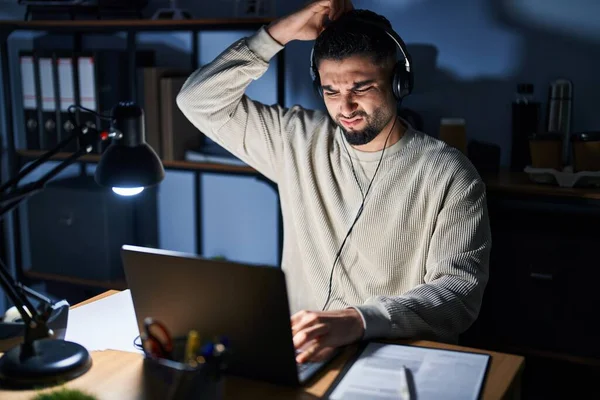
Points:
x=374, y=125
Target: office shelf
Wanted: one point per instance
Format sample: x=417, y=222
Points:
x=179, y=165
x=117, y=285
x=519, y=183
x=134, y=25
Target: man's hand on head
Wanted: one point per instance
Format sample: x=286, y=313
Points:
x=317, y=333
x=309, y=21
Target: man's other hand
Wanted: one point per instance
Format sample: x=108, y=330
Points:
x=309, y=21
x=317, y=333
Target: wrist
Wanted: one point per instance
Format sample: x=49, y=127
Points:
x=358, y=325
x=278, y=32
x=378, y=322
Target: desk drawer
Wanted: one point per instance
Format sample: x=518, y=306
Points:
x=544, y=274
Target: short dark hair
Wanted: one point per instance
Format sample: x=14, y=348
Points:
x=349, y=36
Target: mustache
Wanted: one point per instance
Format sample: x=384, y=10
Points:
x=353, y=115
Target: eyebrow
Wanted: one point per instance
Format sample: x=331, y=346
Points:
x=357, y=85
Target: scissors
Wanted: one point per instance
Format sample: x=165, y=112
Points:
x=156, y=339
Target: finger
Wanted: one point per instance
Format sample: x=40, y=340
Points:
x=333, y=10
x=309, y=352
x=319, y=3
x=319, y=6
x=308, y=334
x=297, y=317
x=303, y=320
x=323, y=23
x=322, y=354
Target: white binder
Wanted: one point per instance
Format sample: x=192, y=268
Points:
x=30, y=119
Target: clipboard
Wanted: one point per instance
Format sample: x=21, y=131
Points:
x=364, y=345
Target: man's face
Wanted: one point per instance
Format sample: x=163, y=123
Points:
x=358, y=96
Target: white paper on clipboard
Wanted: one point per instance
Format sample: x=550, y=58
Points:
x=437, y=373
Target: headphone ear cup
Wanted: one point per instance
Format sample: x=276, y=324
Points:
x=398, y=81
x=401, y=81
x=317, y=86
x=314, y=76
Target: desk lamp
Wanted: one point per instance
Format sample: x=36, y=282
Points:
x=128, y=165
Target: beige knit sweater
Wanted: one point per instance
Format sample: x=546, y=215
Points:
x=416, y=263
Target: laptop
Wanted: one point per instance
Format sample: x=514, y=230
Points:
x=246, y=303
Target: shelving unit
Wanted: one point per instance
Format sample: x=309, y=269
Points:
x=16, y=158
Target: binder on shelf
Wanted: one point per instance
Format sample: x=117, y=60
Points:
x=46, y=70
x=150, y=97
x=38, y=100
x=178, y=133
x=53, y=78
x=29, y=103
x=86, y=68
x=66, y=88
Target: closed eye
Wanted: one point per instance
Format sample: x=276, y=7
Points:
x=363, y=90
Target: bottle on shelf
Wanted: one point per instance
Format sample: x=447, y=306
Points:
x=525, y=122
x=560, y=99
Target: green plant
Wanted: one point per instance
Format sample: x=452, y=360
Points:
x=65, y=394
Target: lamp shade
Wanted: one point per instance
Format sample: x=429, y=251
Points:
x=129, y=162
x=129, y=167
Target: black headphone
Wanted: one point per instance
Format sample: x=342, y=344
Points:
x=402, y=79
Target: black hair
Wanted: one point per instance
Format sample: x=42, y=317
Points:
x=348, y=36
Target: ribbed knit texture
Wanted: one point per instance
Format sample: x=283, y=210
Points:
x=416, y=263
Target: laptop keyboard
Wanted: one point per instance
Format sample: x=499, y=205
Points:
x=305, y=370
x=303, y=367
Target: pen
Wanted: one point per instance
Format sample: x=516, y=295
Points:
x=156, y=340
x=192, y=345
x=404, y=384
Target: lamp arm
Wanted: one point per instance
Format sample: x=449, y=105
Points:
x=36, y=322
x=17, y=195
x=30, y=292
x=45, y=157
x=17, y=297
x=16, y=291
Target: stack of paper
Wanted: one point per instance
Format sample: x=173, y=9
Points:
x=108, y=323
x=436, y=374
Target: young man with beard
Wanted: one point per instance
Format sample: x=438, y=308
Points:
x=386, y=232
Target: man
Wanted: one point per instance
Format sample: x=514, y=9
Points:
x=386, y=229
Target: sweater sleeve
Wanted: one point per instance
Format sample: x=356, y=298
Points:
x=448, y=301
x=213, y=99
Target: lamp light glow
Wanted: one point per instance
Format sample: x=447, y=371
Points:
x=127, y=191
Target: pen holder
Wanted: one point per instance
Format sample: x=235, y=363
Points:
x=167, y=379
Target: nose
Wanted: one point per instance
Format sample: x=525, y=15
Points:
x=348, y=105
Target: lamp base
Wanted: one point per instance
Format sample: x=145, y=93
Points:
x=49, y=362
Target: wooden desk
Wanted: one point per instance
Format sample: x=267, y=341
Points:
x=519, y=183
x=117, y=375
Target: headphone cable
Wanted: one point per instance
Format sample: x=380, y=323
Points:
x=360, y=210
